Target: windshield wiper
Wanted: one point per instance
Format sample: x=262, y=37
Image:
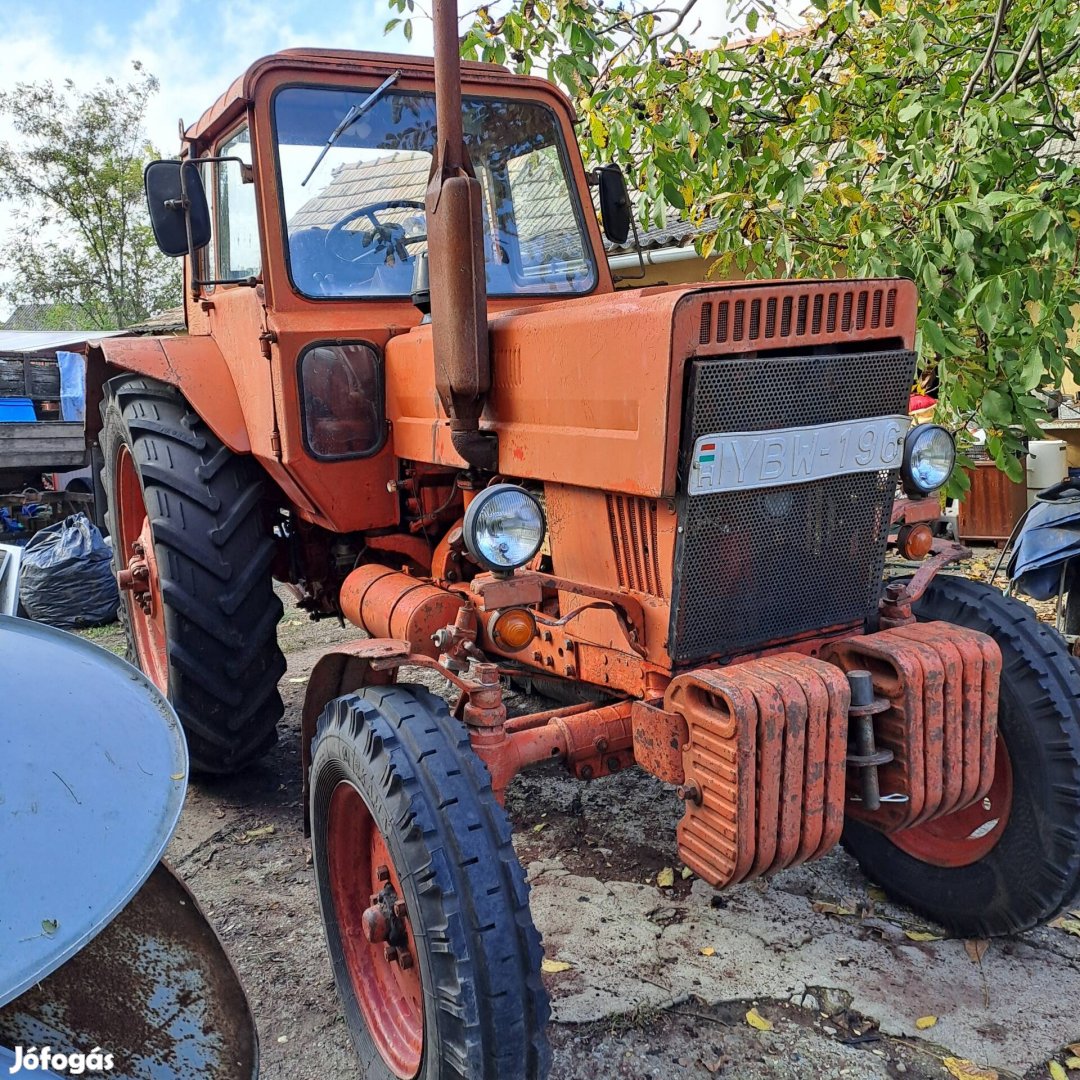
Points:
x=351, y=117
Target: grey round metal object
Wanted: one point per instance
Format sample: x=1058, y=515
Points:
x=91, y=787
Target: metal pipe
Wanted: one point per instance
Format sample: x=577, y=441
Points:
x=456, y=260
x=629, y=260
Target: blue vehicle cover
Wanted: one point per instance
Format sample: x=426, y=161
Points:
x=1050, y=537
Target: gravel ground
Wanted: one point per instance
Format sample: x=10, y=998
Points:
x=838, y=991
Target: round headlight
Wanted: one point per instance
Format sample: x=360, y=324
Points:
x=504, y=527
x=929, y=456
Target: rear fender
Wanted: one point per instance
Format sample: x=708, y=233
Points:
x=194, y=365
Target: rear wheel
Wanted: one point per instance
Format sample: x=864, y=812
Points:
x=193, y=560
x=424, y=902
x=1011, y=860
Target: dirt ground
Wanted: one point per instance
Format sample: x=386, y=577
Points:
x=660, y=980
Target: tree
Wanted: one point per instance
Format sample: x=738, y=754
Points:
x=81, y=238
x=927, y=138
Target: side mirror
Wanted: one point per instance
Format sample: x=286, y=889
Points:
x=176, y=200
x=614, y=203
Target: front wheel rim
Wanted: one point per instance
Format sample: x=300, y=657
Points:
x=968, y=835
x=139, y=573
x=390, y=996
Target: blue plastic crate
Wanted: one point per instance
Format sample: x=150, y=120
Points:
x=16, y=410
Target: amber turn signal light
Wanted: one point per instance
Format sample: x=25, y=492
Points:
x=513, y=629
x=914, y=541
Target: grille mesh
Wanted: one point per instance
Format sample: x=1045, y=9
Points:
x=764, y=565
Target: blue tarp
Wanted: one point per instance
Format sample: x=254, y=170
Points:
x=1049, y=539
x=72, y=385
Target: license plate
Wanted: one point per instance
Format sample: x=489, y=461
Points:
x=745, y=460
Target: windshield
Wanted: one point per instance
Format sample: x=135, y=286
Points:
x=358, y=227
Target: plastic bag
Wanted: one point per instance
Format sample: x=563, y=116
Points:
x=67, y=578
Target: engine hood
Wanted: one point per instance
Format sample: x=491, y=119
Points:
x=589, y=392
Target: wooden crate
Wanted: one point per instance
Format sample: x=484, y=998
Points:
x=993, y=505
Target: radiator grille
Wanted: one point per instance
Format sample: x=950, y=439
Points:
x=757, y=320
x=759, y=566
x=633, y=539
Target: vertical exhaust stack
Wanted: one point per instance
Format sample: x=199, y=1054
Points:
x=456, y=260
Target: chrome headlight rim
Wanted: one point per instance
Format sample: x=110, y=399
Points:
x=913, y=488
x=474, y=517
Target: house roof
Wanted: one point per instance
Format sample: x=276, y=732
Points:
x=48, y=341
x=39, y=317
x=541, y=213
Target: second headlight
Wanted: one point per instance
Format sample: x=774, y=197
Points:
x=504, y=527
x=929, y=456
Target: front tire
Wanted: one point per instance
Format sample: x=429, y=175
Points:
x=1012, y=861
x=203, y=623
x=404, y=820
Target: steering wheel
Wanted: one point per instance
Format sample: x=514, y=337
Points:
x=386, y=238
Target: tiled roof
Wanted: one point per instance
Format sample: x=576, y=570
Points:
x=541, y=213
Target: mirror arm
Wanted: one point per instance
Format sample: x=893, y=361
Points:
x=186, y=205
x=247, y=176
x=640, y=257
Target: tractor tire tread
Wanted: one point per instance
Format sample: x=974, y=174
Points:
x=475, y=889
x=214, y=555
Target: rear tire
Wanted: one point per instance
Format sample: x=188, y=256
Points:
x=393, y=777
x=1031, y=871
x=211, y=641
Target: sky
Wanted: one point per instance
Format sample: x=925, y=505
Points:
x=196, y=48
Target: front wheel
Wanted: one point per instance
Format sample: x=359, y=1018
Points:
x=1012, y=860
x=423, y=900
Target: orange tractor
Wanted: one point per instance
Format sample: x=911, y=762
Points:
x=410, y=392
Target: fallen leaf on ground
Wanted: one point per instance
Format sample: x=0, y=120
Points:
x=1070, y=926
x=1072, y=1063
x=256, y=834
x=539, y=826
x=299, y=679
x=925, y=1022
x=876, y=894
x=708, y=951
x=976, y=948
x=1073, y=1048
x=963, y=1069
x=686, y=872
x=553, y=967
x=757, y=1021
x=666, y=878
x=1057, y=1071
x=922, y=935
x=824, y=908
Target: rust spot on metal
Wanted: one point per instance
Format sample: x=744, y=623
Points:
x=154, y=988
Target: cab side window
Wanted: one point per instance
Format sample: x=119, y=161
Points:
x=233, y=253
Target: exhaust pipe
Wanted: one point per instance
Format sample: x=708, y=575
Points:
x=456, y=260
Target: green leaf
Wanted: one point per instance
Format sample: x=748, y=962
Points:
x=751, y=20
x=1039, y=224
x=917, y=41
x=674, y=195
x=699, y=119
x=997, y=408
x=910, y=111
